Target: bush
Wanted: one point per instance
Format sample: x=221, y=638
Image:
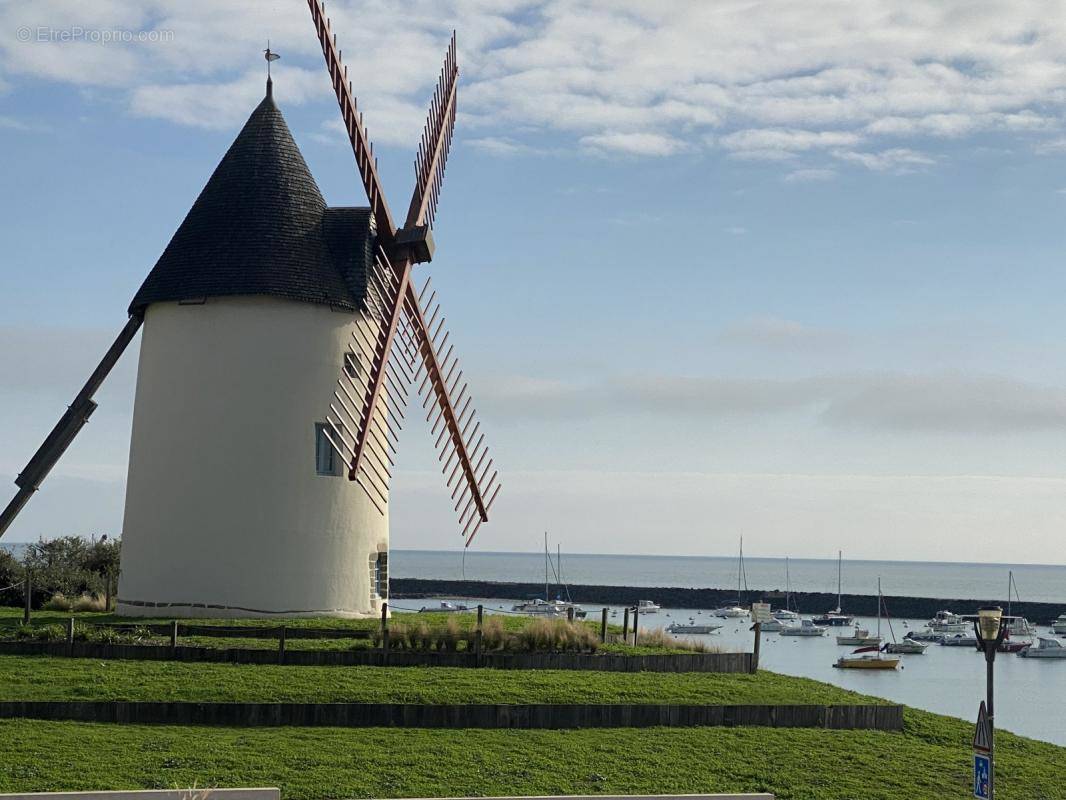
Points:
x=58, y=602
x=73, y=566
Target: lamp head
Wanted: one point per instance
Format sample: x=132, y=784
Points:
x=989, y=619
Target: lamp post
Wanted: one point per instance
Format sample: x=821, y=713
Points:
x=990, y=630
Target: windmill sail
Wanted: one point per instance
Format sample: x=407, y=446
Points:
x=398, y=343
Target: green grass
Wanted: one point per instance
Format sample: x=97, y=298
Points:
x=11, y=619
x=47, y=678
x=930, y=760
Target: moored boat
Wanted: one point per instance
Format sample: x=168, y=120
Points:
x=1059, y=625
x=805, y=628
x=836, y=617
x=925, y=635
x=906, y=647
x=730, y=612
x=860, y=638
x=867, y=658
x=1044, y=648
x=648, y=607
x=697, y=628
x=444, y=608
x=959, y=640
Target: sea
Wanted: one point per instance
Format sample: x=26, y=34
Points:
x=1034, y=583
x=945, y=680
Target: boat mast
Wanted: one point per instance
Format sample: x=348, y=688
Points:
x=788, y=588
x=547, y=597
x=878, y=606
x=1010, y=585
x=840, y=561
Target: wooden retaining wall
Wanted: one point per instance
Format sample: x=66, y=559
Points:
x=397, y=715
x=607, y=662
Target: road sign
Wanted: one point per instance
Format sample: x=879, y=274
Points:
x=760, y=612
x=982, y=735
x=982, y=774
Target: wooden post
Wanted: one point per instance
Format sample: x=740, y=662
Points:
x=281, y=645
x=478, y=634
x=174, y=633
x=603, y=626
x=70, y=636
x=107, y=592
x=569, y=613
x=636, y=620
x=385, y=631
x=625, y=627
x=28, y=606
x=755, y=650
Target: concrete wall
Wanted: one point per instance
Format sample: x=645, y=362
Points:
x=225, y=514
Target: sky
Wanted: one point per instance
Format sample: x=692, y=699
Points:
x=790, y=271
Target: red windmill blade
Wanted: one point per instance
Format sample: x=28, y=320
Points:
x=368, y=410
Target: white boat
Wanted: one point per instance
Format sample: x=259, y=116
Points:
x=701, y=628
x=730, y=612
x=648, y=607
x=860, y=638
x=540, y=608
x=925, y=635
x=805, y=628
x=907, y=647
x=1017, y=627
x=1044, y=648
x=1020, y=626
x=959, y=639
x=1059, y=625
x=949, y=622
x=772, y=626
x=444, y=608
x=786, y=614
x=836, y=617
x=867, y=658
x=736, y=610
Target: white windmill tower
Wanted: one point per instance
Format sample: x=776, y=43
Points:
x=243, y=433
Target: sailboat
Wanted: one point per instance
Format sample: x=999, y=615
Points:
x=738, y=610
x=836, y=616
x=870, y=657
x=909, y=646
x=548, y=607
x=786, y=614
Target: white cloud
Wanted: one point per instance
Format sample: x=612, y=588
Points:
x=764, y=80
x=640, y=144
x=809, y=175
x=896, y=159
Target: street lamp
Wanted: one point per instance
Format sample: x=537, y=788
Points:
x=990, y=630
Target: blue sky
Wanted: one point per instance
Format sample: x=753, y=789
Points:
x=790, y=271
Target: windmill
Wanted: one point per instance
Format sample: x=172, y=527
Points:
x=269, y=310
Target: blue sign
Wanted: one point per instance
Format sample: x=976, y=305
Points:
x=982, y=773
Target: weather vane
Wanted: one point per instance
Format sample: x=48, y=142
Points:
x=269, y=55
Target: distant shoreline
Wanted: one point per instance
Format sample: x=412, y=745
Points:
x=679, y=597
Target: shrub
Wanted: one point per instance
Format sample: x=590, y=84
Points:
x=89, y=602
x=58, y=602
x=493, y=635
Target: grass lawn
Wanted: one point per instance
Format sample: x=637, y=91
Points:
x=11, y=620
x=930, y=760
x=47, y=678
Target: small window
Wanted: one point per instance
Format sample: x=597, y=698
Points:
x=351, y=365
x=327, y=462
x=379, y=575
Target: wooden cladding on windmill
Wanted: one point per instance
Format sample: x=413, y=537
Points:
x=397, y=342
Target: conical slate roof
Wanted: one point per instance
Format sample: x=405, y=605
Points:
x=261, y=227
